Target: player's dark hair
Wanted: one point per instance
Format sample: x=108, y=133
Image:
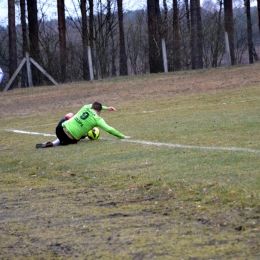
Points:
x=97, y=106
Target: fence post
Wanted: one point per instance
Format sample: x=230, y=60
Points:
x=29, y=71
x=14, y=75
x=91, y=74
x=227, y=49
x=165, y=64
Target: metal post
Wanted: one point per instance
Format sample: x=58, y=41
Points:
x=29, y=71
x=227, y=49
x=91, y=74
x=165, y=64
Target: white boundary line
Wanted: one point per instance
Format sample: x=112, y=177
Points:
x=29, y=133
x=234, y=149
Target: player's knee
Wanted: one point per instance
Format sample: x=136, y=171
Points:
x=69, y=115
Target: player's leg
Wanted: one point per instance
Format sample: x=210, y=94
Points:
x=69, y=115
x=57, y=141
x=62, y=136
x=44, y=145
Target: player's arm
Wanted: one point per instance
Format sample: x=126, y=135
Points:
x=103, y=107
x=108, y=108
x=111, y=130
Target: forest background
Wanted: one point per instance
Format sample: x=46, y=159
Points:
x=124, y=38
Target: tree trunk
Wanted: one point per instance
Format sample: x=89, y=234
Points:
x=25, y=41
x=193, y=33
x=258, y=11
x=12, y=40
x=196, y=35
x=229, y=27
x=83, y=9
x=188, y=14
x=215, y=52
x=200, y=36
x=186, y=58
x=122, y=51
x=112, y=46
x=154, y=36
x=24, y=27
x=62, y=39
x=91, y=29
x=91, y=23
x=34, y=38
x=249, y=31
x=176, y=37
x=164, y=25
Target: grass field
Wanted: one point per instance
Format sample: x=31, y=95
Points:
x=186, y=186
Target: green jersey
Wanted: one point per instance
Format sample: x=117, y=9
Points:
x=87, y=118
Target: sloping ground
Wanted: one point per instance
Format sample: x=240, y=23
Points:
x=39, y=99
x=117, y=200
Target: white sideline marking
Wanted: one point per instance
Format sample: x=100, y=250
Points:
x=32, y=126
x=234, y=149
x=29, y=133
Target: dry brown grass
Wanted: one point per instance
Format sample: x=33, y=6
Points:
x=35, y=100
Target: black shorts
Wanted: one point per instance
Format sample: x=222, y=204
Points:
x=64, y=139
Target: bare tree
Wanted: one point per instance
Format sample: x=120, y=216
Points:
x=164, y=30
x=24, y=26
x=258, y=12
x=213, y=35
x=137, y=44
x=83, y=9
x=196, y=35
x=218, y=46
x=25, y=41
x=241, y=45
x=105, y=34
x=34, y=38
x=251, y=49
x=176, y=37
x=229, y=27
x=98, y=24
x=110, y=19
x=154, y=36
x=62, y=39
x=12, y=39
x=122, y=51
x=91, y=26
x=187, y=9
x=91, y=23
x=49, y=40
x=185, y=34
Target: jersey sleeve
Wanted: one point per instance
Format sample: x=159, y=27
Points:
x=111, y=130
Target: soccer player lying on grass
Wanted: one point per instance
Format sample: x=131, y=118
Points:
x=72, y=128
x=93, y=135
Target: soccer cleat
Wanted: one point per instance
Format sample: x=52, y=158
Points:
x=44, y=145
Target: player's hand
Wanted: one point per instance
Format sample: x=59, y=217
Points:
x=111, y=109
x=127, y=137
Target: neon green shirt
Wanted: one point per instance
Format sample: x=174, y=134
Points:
x=85, y=120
